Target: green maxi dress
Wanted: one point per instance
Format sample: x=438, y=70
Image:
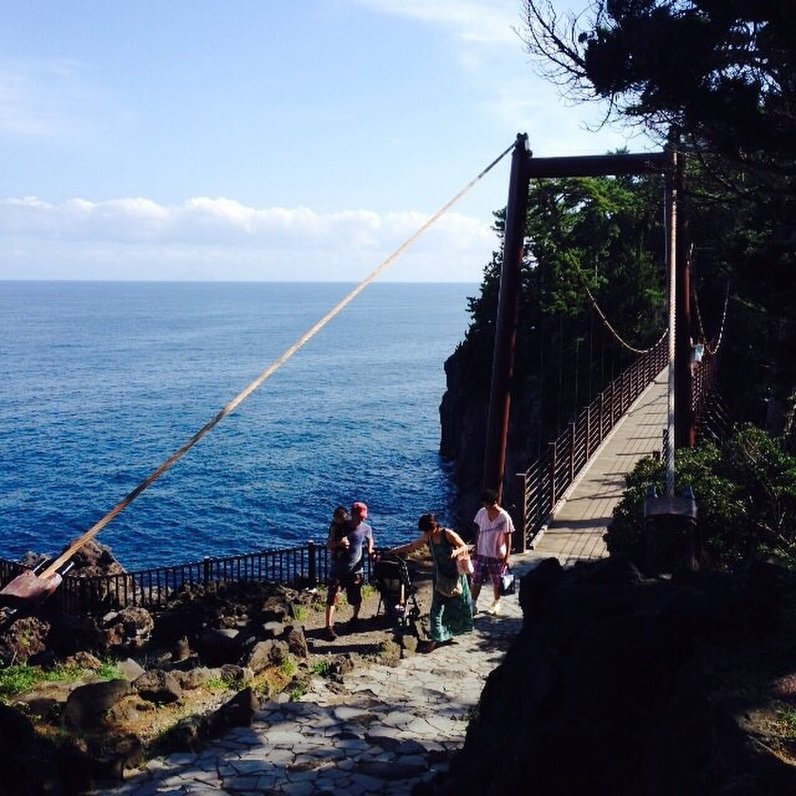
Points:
x=449, y=616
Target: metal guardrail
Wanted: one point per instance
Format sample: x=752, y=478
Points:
x=543, y=484
x=298, y=567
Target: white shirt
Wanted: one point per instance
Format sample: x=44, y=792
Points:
x=492, y=533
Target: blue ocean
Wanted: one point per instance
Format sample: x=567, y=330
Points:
x=101, y=382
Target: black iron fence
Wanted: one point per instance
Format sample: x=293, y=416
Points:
x=299, y=567
x=543, y=484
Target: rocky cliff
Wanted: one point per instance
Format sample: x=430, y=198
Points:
x=463, y=420
x=624, y=685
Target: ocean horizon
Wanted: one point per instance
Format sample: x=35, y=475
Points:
x=103, y=381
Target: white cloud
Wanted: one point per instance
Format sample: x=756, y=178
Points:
x=223, y=239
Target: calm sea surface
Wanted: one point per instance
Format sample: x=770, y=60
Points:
x=101, y=382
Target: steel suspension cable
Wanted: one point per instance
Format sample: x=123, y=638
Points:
x=271, y=369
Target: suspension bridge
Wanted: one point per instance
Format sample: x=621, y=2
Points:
x=567, y=495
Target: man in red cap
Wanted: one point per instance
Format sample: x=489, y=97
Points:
x=348, y=560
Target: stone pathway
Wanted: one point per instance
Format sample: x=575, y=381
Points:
x=381, y=731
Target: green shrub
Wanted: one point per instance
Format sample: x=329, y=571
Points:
x=109, y=670
x=217, y=684
x=288, y=667
x=746, y=502
x=321, y=668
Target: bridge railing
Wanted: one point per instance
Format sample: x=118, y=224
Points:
x=298, y=567
x=544, y=483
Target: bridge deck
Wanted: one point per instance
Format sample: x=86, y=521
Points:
x=583, y=515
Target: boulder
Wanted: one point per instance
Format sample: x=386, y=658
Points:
x=87, y=704
x=296, y=640
x=273, y=630
x=275, y=609
x=130, y=669
x=158, y=686
x=266, y=654
x=27, y=762
x=217, y=646
x=128, y=629
x=25, y=637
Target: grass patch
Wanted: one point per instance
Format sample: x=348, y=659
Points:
x=288, y=667
x=321, y=668
x=296, y=693
x=15, y=680
x=368, y=591
x=109, y=670
x=787, y=718
x=217, y=684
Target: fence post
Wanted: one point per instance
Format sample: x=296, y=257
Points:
x=612, y=405
x=312, y=571
x=551, y=446
x=521, y=481
x=588, y=432
x=206, y=570
x=622, y=395
x=571, y=452
x=601, y=436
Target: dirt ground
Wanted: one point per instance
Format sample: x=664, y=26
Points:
x=374, y=628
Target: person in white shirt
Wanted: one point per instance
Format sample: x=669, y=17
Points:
x=492, y=547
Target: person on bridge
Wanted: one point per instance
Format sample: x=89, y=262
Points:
x=492, y=547
x=451, y=611
x=347, y=543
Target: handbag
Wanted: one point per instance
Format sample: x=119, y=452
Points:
x=507, y=583
x=465, y=564
x=448, y=585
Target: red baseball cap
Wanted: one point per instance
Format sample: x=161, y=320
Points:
x=360, y=508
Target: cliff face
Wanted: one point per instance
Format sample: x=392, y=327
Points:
x=463, y=420
x=621, y=685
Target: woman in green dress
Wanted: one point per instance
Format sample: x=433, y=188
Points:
x=451, y=611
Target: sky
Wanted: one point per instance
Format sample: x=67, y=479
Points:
x=264, y=140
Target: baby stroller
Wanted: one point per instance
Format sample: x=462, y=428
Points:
x=390, y=576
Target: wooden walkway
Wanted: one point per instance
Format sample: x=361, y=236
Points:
x=582, y=517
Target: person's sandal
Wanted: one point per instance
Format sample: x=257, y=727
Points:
x=330, y=634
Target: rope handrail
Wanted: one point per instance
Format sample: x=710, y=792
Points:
x=616, y=334
x=257, y=382
x=608, y=324
x=712, y=350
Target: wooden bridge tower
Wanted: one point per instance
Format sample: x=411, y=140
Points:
x=525, y=167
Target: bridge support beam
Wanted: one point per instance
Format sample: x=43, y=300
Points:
x=681, y=417
x=506, y=325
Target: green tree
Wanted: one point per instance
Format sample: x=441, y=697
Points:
x=719, y=78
